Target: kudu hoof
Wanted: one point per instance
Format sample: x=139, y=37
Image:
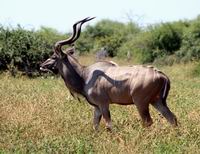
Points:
x=147, y=124
x=109, y=129
x=95, y=128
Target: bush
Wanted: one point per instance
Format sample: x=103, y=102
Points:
x=85, y=43
x=166, y=38
x=190, y=49
x=22, y=50
x=50, y=35
x=166, y=43
x=140, y=48
x=108, y=34
x=156, y=42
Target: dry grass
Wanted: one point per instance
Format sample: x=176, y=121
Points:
x=39, y=116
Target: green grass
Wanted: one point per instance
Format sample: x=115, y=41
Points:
x=39, y=116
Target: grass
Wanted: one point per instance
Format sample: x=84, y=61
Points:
x=39, y=116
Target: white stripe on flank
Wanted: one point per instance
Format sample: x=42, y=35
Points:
x=164, y=93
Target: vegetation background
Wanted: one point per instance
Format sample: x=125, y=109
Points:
x=164, y=43
x=38, y=115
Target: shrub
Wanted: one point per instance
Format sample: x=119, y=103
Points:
x=22, y=50
x=108, y=34
x=190, y=49
x=140, y=48
x=166, y=38
x=50, y=35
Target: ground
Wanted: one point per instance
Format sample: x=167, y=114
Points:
x=39, y=116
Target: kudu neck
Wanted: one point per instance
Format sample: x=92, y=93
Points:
x=71, y=72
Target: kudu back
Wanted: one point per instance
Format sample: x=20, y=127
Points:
x=104, y=83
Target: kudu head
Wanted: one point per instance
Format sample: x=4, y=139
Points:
x=51, y=64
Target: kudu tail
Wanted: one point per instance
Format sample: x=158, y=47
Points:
x=165, y=89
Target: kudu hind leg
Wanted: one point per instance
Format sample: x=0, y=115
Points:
x=162, y=107
x=97, y=117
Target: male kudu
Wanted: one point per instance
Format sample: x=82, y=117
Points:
x=105, y=82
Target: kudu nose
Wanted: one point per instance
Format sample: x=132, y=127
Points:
x=42, y=68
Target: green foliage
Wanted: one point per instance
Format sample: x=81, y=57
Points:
x=140, y=48
x=50, y=35
x=86, y=41
x=165, y=43
x=110, y=43
x=190, y=49
x=166, y=38
x=108, y=34
x=156, y=42
x=22, y=50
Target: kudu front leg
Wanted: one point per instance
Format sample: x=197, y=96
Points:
x=97, y=117
x=106, y=115
x=145, y=115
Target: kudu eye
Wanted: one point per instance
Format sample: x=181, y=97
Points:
x=53, y=57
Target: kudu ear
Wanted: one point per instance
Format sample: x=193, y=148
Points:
x=70, y=50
